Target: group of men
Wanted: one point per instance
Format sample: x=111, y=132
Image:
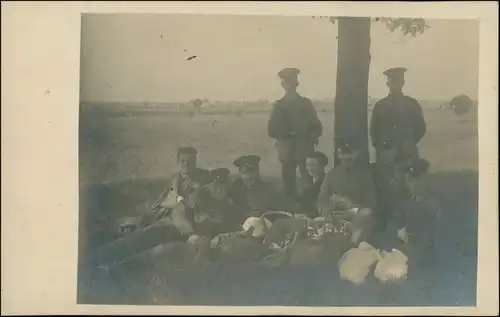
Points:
x=397, y=126
x=202, y=203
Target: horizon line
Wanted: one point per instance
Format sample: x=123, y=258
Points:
x=226, y=101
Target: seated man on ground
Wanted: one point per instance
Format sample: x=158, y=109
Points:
x=347, y=195
x=315, y=165
x=172, y=215
x=421, y=210
x=251, y=195
x=214, y=212
x=389, y=177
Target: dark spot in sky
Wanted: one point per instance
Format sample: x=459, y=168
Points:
x=161, y=36
x=47, y=92
x=192, y=57
x=49, y=122
x=110, y=87
x=259, y=29
x=185, y=50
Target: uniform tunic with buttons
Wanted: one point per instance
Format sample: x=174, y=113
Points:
x=400, y=118
x=253, y=200
x=295, y=116
x=391, y=191
x=213, y=215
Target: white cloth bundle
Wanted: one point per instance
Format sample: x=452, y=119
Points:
x=259, y=225
x=355, y=264
x=391, y=266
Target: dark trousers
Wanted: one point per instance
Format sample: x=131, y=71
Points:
x=289, y=176
x=136, y=242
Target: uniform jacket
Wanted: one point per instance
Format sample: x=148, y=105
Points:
x=392, y=193
x=181, y=187
x=252, y=201
x=217, y=213
x=399, y=118
x=295, y=125
x=390, y=184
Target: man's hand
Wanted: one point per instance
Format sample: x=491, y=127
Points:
x=403, y=234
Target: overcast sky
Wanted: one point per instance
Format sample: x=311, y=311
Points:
x=139, y=58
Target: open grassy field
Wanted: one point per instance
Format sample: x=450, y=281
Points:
x=124, y=162
x=114, y=149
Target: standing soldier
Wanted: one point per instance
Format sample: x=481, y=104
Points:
x=398, y=117
x=295, y=126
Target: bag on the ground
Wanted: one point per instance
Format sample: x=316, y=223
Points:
x=356, y=263
x=392, y=266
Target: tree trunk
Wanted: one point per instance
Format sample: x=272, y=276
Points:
x=351, y=97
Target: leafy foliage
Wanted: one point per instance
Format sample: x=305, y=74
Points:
x=330, y=19
x=406, y=25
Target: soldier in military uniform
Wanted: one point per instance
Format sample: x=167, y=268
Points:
x=295, y=126
x=172, y=217
x=389, y=177
x=251, y=195
x=214, y=211
x=422, y=208
x=348, y=193
x=399, y=117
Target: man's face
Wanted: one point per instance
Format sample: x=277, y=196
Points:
x=314, y=168
x=395, y=83
x=348, y=158
x=288, y=85
x=250, y=176
x=219, y=190
x=186, y=162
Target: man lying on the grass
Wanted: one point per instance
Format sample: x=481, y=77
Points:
x=172, y=216
x=347, y=196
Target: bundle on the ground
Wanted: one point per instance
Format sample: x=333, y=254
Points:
x=355, y=264
x=391, y=266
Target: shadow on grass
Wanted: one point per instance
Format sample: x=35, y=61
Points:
x=451, y=283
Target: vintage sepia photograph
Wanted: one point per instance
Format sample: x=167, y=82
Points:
x=267, y=160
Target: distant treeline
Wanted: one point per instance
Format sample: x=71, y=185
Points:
x=134, y=109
